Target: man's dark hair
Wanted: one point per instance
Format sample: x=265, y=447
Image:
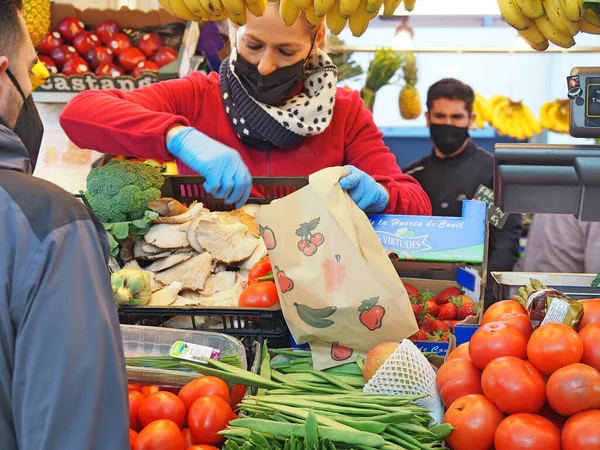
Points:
x=451, y=89
x=9, y=25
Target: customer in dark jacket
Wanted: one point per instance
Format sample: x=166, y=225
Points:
x=457, y=167
x=62, y=376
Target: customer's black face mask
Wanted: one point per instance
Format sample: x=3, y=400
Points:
x=448, y=138
x=29, y=127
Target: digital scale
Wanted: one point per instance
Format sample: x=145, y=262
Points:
x=556, y=179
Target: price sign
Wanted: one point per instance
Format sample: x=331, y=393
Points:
x=495, y=215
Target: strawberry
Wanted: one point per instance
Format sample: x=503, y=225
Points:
x=438, y=325
x=440, y=336
x=466, y=307
x=448, y=311
x=447, y=294
x=412, y=292
x=417, y=310
x=432, y=308
x=450, y=324
x=426, y=296
x=427, y=323
x=419, y=336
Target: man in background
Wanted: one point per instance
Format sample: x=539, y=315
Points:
x=457, y=167
x=62, y=374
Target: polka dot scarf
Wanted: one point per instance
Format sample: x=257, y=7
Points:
x=266, y=127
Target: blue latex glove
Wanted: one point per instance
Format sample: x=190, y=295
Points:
x=367, y=193
x=226, y=175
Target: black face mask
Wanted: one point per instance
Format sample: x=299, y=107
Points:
x=448, y=138
x=271, y=89
x=29, y=127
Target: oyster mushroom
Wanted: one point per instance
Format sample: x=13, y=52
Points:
x=192, y=273
x=259, y=253
x=168, y=236
x=166, y=296
x=229, y=297
x=169, y=261
x=191, y=235
x=226, y=242
x=219, y=282
x=196, y=210
x=167, y=207
x=145, y=251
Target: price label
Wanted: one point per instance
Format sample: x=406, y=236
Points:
x=495, y=215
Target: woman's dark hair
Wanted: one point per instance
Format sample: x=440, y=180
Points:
x=9, y=24
x=451, y=89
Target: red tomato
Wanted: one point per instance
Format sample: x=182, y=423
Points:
x=591, y=312
x=582, y=431
x=553, y=346
x=502, y=307
x=188, y=439
x=475, y=419
x=134, y=387
x=237, y=394
x=203, y=447
x=527, y=432
x=552, y=416
x=514, y=385
x=202, y=387
x=259, y=295
x=160, y=435
x=260, y=269
x=573, y=389
x=590, y=336
x=162, y=405
x=494, y=340
x=462, y=352
x=149, y=390
x=208, y=416
x=132, y=438
x=456, y=378
x=521, y=321
x=136, y=399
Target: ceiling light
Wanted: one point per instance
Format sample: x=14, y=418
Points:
x=403, y=39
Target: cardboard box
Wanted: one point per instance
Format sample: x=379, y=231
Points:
x=436, y=239
x=126, y=18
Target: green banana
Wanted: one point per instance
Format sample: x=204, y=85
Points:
x=316, y=318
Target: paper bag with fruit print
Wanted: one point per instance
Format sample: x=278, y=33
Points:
x=339, y=291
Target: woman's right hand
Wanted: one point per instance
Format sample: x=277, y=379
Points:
x=222, y=167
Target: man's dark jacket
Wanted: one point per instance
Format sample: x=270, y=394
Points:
x=62, y=375
x=450, y=181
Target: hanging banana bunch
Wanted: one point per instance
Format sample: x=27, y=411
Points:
x=337, y=14
x=511, y=118
x=479, y=108
x=555, y=116
x=541, y=22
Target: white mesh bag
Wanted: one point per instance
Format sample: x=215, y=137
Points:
x=407, y=373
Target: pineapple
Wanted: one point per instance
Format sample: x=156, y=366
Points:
x=410, y=101
x=37, y=17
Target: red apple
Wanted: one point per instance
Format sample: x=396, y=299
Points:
x=118, y=43
x=106, y=30
x=165, y=55
x=70, y=27
x=61, y=54
x=85, y=41
x=109, y=70
x=149, y=44
x=99, y=55
x=144, y=66
x=75, y=66
x=130, y=58
x=51, y=41
x=49, y=64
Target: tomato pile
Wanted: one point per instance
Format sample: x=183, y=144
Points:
x=514, y=388
x=261, y=291
x=185, y=419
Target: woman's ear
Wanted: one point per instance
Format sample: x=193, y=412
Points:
x=320, y=37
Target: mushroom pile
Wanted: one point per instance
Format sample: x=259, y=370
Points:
x=196, y=257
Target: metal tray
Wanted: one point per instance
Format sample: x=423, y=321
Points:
x=575, y=285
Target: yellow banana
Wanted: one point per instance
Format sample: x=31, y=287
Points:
x=544, y=115
x=530, y=8
x=512, y=15
x=499, y=111
x=322, y=7
x=239, y=19
x=359, y=21
x=390, y=6
x=491, y=104
x=590, y=23
x=533, y=34
x=256, y=7
x=312, y=17
x=215, y=7
x=289, y=12
x=348, y=7
x=182, y=11
x=540, y=47
x=555, y=15
x=587, y=27
x=531, y=120
x=573, y=9
x=554, y=36
x=372, y=6
x=196, y=7
x=409, y=5
x=554, y=122
x=165, y=4
x=335, y=22
x=303, y=4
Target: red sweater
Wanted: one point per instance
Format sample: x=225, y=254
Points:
x=135, y=124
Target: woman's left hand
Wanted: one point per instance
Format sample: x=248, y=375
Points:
x=368, y=195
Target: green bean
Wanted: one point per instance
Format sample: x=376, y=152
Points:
x=301, y=386
x=239, y=376
x=260, y=440
x=299, y=353
x=311, y=430
x=401, y=442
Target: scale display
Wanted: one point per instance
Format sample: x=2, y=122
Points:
x=584, y=95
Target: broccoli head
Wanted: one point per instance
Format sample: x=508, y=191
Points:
x=121, y=190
